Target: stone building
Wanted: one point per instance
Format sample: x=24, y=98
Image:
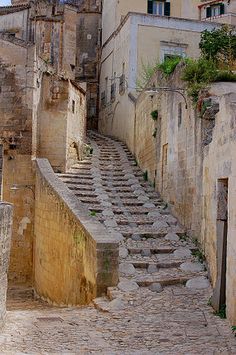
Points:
x=37, y=54
x=223, y=11
x=133, y=41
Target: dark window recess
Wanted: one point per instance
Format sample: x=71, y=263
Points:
x=167, y=9
x=113, y=92
x=122, y=84
x=150, y=7
x=222, y=9
x=103, y=99
x=179, y=114
x=73, y=106
x=208, y=12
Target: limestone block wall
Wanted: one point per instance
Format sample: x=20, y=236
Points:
x=6, y=211
x=219, y=165
x=75, y=259
x=187, y=159
x=16, y=73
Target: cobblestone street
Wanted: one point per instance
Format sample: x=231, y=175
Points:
x=160, y=305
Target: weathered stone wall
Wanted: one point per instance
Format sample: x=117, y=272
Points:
x=16, y=72
x=76, y=124
x=186, y=155
x=5, y=243
x=15, y=23
x=219, y=164
x=61, y=122
x=75, y=258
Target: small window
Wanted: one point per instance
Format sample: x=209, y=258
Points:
x=215, y=10
x=161, y=7
x=180, y=112
x=73, y=106
x=113, y=92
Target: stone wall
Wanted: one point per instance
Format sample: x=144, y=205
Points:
x=61, y=122
x=16, y=72
x=187, y=155
x=75, y=259
x=5, y=243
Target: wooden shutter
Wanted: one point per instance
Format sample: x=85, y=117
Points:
x=222, y=9
x=208, y=12
x=167, y=9
x=150, y=7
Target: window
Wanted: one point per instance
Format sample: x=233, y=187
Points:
x=215, y=10
x=161, y=8
x=180, y=114
x=113, y=92
x=169, y=50
x=73, y=106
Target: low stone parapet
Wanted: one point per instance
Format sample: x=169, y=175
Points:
x=75, y=259
x=6, y=214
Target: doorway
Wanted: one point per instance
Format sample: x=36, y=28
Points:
x=219, y=293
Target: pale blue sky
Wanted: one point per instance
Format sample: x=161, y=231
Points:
x=5, y=2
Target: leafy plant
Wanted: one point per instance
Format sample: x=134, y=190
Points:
x=198, y=73
x=154, y=115
x=224, y=75
x=222, y=312
x=234, y=330
x=93, y=213
x=209, y=302
x=199, y=255
x=169, y=65
x=219, y=45
x=147, y=71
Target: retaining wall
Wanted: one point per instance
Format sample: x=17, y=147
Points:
x=75, y=260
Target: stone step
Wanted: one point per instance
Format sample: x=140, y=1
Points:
x=139, y=264
x=148, y=232
x=165, y=277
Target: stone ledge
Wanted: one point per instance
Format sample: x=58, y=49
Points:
x=63, y=228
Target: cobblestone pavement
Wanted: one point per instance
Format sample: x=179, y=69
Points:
x=161, y=303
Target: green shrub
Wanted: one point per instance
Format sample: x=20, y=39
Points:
x=219, y=45
x=169, y=65
x=198, y=73
x=224, y=75
x=154, y=115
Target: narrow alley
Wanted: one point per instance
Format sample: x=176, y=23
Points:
x=162, y=302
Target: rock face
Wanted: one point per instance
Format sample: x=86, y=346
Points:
x=5, y=243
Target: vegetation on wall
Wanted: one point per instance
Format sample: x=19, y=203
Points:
x=154, y=115
x=219, y=45
x=169, y=65
x=217, y=61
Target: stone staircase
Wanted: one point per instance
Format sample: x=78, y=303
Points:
x=154, y=250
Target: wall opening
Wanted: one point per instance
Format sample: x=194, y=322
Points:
x=1, y=167
x=219, y=294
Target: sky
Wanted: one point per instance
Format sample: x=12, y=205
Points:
x=5, y=2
